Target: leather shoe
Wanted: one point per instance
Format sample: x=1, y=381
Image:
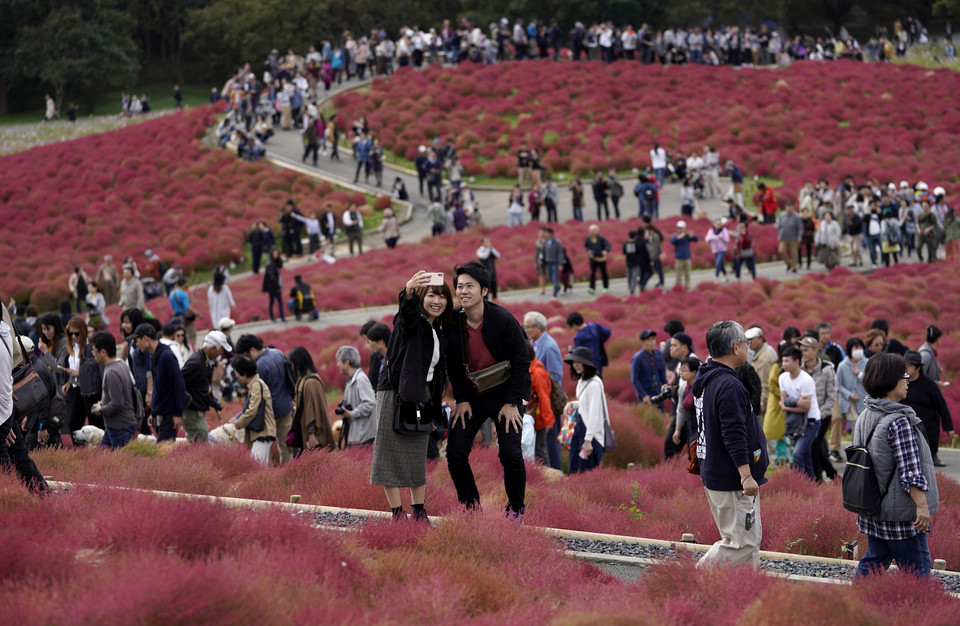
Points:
x=938, y=463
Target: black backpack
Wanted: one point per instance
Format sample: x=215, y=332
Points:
x=649, y=194
x=893, y=235
x=861, y=492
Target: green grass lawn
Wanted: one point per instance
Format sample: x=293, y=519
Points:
x=160, y=95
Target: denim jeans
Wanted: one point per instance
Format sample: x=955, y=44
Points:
x=275, y=297
x=751, y=264
x=803, y=449
x=117, y=437
x=871, y=243
x=516, y=219
x=553, y=275
x=659, y=173
x=553, y=445
x=718, y=263
x=910, y=554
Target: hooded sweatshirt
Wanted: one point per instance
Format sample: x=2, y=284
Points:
x=729, y=434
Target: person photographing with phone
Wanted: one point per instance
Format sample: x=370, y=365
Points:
x=488, y=367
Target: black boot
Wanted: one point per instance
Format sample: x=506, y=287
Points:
x=398, y=514
x=420, y=513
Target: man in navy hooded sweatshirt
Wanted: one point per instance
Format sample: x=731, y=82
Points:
x=731, y=448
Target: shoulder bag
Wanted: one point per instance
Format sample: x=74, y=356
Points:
x=28, y=388
x=487, y=379
x=260, y=421
x=412, y=418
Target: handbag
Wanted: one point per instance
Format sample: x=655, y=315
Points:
x=28, y=388
x=411, y=418
x=693, y=463
x=861, y=492
x=489, y=378
x=566, y=430
x=609, y=439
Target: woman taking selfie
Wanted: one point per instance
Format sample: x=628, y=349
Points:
x=412, y=373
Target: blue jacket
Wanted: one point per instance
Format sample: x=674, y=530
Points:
x=364, y=146
x=272, y=368
x=593, y=336
x=682, y=245
x=169, y=391
x=548, y=352
x=647, y=381
x=729, y=435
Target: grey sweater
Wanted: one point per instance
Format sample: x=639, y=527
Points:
x=116, y=406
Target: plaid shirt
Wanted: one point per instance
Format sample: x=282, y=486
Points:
x=906, y=454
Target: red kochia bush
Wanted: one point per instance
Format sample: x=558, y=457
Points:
x=793, y=124
x=190, y=204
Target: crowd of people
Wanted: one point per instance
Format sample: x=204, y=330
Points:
x=790, y=403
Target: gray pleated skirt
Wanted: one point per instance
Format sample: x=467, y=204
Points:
x=398, y=460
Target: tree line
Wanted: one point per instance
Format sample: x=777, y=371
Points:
x=75, y=49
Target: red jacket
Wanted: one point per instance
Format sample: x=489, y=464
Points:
x=540, y=405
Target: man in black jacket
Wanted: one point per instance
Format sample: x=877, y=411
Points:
x=486, y=334
x=731, y=448
x=169, y=398
x=197, y=376
x=926, y=400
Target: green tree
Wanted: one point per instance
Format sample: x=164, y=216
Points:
x=81, y=48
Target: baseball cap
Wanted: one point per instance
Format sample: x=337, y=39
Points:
x=685, y=339
x=27, y=343
x=143, y=330
x=810, y=342
x=647, y=333
x=754, y=332
x=216, y=339
x=913, y=358
x=681, y=224
x=226, y=322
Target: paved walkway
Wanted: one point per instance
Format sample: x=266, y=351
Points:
x=286, y=150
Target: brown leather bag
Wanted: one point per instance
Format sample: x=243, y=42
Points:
x=489, y=378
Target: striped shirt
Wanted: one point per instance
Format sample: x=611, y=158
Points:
x=906, y=455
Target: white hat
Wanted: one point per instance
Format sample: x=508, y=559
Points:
x=753, y=333
x=904, y=184
x=226, y=322
x=939, y=191
x=922, y=186
x=216, y=339
x=27, y=343
x=681, y=224
x=892, y=187
x=422, y=149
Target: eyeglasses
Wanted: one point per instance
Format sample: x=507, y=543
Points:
x=74, y=334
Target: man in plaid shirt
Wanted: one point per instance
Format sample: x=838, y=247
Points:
x=892, y=434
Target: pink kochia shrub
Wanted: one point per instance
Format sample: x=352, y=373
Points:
x=797, y=123
x=362, y=281
x=153, y=185
x=798, y=516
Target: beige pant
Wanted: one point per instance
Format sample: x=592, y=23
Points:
x=682, y=268
x=736, y=545
x=836, y=426
x=788, y=252
x=854, y=241
x=283, y=429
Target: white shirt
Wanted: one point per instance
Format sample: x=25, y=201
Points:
x=592, y=404
x=798, y=387
x=658, y=158
x=6, y=373
x=435, y=357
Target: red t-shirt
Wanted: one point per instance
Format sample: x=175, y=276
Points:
x=480, y=356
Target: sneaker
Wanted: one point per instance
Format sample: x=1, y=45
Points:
x=937, y=462
x=605, y=290
x=591, y=291
x=835, y=456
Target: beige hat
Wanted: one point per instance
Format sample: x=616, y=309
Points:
x=226, y=322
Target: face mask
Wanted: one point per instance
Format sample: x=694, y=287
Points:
x=857, y=355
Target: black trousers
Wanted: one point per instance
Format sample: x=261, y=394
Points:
x=17, y=456
x=78, y=411
x=821, y=458
x=551, y=209
x=255, y=254
x=600, y=266
x=460, y=442
x=603, y=211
